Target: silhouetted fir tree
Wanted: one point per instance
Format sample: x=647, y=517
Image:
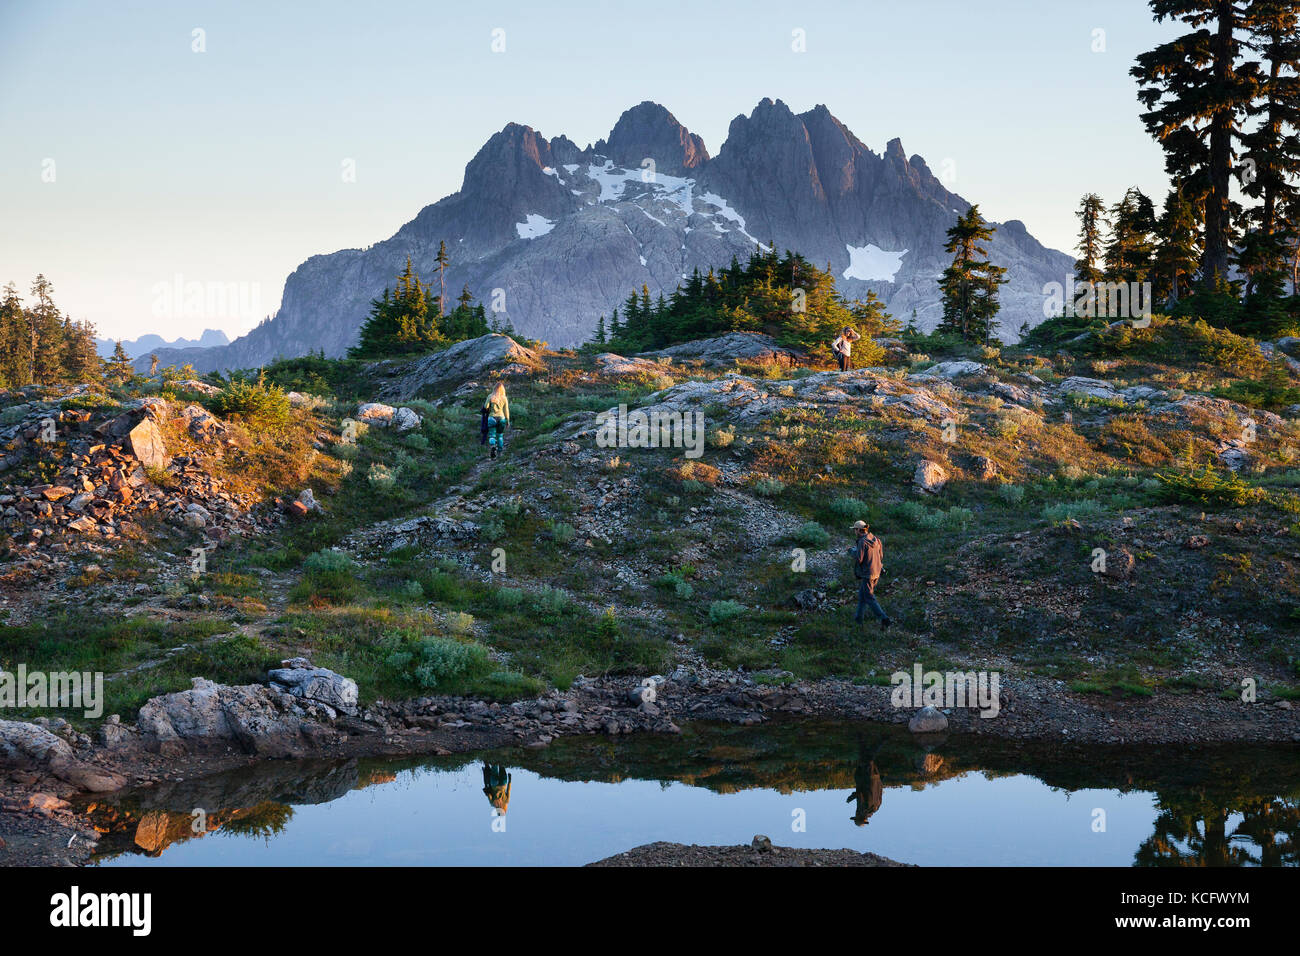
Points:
x=1196, y=94
x=969, y=286
x=600, y=330
x=1270, y=164
x=1092, y=216
x=442, y=262
x=40, y=345
x=1178, y=249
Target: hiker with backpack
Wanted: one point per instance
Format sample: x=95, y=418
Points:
x=843, y=347
x=868, y=561
x=495, y=419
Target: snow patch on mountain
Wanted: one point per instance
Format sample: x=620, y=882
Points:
x=534, y=226
x=873, y=264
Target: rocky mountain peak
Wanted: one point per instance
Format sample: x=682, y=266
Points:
x=649, y=130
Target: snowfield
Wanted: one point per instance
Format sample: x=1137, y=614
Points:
x=872, y=263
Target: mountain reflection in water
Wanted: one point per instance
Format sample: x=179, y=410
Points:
x=938, y=801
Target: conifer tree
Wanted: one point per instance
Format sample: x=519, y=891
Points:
x=1092, y=215
x=1196, y=95
x=969, y=286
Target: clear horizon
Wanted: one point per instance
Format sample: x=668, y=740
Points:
x=225, y=166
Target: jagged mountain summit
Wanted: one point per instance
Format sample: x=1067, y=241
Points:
x=565, y=233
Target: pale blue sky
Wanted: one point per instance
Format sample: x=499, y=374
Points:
x=225, y=166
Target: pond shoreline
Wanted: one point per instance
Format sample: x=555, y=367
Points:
x=42, y=828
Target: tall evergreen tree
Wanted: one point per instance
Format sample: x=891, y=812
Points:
x=1092, y=216
x=443, y=262
x=1271, y=162
x=969, y=286
x=1196, y=95
x=1178, y=250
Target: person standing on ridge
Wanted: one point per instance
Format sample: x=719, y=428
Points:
x=843, y=347
x=495, y=419
x=868, y=561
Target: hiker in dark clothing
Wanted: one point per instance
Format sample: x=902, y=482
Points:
x=870, y=790
x=495, y=419
x=868, y=561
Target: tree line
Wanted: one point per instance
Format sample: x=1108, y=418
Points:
x=780, y=294
x=1223, y=101
x=41, y=345
x=411, y=318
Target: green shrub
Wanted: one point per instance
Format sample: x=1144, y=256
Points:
x=769, y=487
x=328, y=576
x=551, y=600
x=460, y=623
x=261, y=405
x=1208, y=487
x=853, y=508
x=1084, y=508
x=811, y=535
x=509, y=597
x=720, y=612
x=1011, y=494
x=561, y=533
x=443, y=661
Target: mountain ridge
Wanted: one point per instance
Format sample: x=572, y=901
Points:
x=563, y=233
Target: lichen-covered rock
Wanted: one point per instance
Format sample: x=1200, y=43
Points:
x=252, y=716
x=469, y=359
x=930, y=477
x=726, y=350
x=318, y=684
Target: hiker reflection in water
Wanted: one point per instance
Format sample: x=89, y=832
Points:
x=496, y=784
x=870, y=790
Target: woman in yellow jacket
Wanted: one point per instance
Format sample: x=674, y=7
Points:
x=496, y=418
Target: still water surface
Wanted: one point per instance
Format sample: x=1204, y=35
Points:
x=806, y=784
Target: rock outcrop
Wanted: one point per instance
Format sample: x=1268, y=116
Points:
x=258, y=719
x=474, y=358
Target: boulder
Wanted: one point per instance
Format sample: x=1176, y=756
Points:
x=725, y=350
x=464, y=360
x=1091, y=387
x=145, y=442
x=320, y=685
x=375, y=413
x=930, y=477
x=210, y=715
x=949, y=370
x=928, y=720
x=24, y=742
x=613, y=365
x=406, y=419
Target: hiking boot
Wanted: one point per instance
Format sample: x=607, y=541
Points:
x=886, y=623
x=493, y=453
